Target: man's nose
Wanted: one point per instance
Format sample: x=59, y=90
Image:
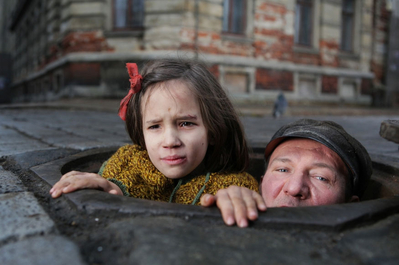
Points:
x=297, y=186
x=171, y=138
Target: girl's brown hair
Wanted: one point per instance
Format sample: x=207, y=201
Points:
x=229, y=149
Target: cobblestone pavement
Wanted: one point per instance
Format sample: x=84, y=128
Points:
x=35, y=229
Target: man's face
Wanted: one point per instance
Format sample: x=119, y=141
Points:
x=303, y=172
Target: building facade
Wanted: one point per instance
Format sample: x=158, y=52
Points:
x=6, y=47
x=392, y=69
x=312, y=50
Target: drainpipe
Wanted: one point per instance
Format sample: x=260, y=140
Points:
x=392, y=62
x=196, y=15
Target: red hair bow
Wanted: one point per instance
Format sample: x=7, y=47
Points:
x=135, y=87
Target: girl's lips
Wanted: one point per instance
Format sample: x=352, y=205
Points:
x=174, y=160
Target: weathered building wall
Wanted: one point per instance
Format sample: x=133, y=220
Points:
x=63, y=46
x=6, y=46
x=392, y=76
x=380, y=37
x=7, y=39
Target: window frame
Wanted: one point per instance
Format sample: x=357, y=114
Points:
x=298, y=28
x=230, y=19
x=344, y=30
x=129, y=16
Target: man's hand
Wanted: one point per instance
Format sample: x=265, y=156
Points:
x=237, y=204
x=76, y=180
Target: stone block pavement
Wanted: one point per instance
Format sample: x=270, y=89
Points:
x=34, y=229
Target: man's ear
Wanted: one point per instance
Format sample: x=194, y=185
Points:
x=354, y=199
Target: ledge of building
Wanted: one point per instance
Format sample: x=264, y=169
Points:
x=208, y=58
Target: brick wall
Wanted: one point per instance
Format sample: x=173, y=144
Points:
x=268, y=79
x=380, y=35
x=84, y=42
x=329, y=84
x=329, y=53
x=270, y=32
x=214, y=69
x=366, y=86
x=88, y=74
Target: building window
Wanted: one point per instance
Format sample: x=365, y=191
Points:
x=347, y=26
x=303, y=22
x=128, y=14
x=234, y=16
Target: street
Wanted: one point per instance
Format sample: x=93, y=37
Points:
x=90, y=227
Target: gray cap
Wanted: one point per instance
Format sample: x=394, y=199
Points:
x=332, y=135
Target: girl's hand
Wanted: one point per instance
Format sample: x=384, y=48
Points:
x=76, y=180
x=237, y=204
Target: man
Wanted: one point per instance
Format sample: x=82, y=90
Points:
x=308, y=163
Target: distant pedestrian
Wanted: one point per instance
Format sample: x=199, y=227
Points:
x=280, y=106
x=188, y=139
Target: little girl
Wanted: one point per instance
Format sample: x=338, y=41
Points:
x=187, y=138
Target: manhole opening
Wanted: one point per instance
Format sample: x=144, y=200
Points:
x=380, y=201
x=382, y=184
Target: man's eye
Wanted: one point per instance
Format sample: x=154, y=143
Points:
x=321, y=178
x=282, y=170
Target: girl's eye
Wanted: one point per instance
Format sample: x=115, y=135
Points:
x=152, y=127
x=186, y=124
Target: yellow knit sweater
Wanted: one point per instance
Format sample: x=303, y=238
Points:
x=131, y=168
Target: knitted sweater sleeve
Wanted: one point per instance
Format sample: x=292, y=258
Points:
x=131, y=169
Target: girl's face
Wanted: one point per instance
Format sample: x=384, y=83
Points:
x=174, y=133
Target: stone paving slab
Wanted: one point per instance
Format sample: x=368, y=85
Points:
x=21, y=215
x=20, y=148
x=51, y=136
x=40, y=251
x=8, y=135
x=79, y=130
x=13, y=142
x=27, y=160
x=10, y=182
